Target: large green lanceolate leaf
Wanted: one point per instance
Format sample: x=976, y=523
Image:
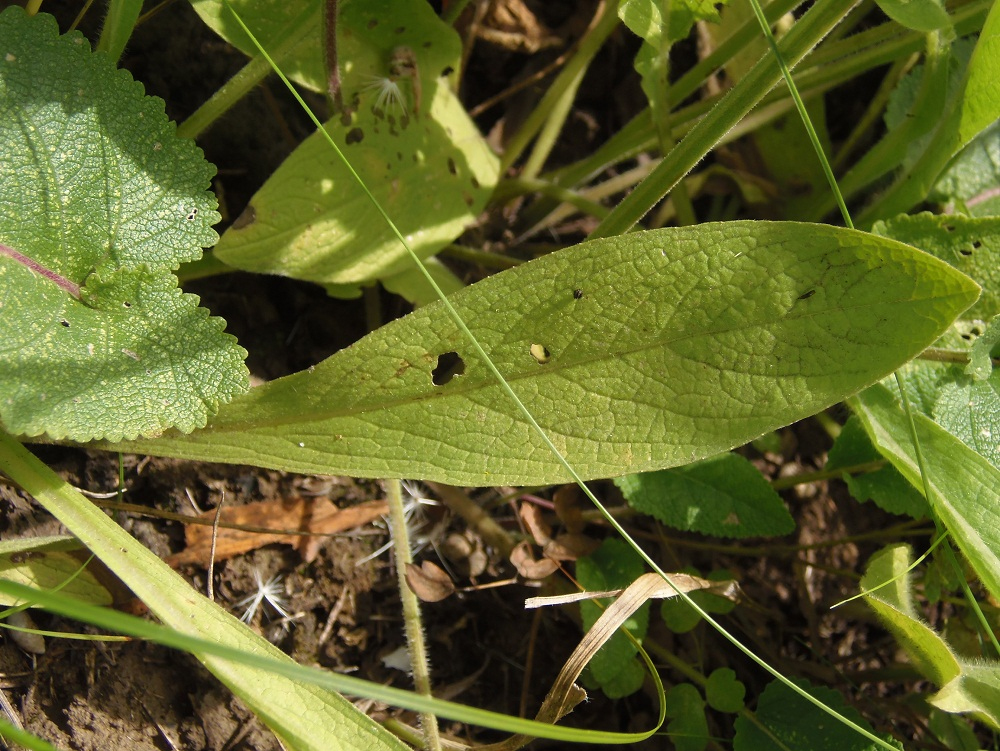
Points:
x=963, y=485
x=634, y=353
x=403, y=130
x=101, y=201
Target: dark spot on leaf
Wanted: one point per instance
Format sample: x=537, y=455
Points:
x=452, y=167
x=948, y=227
x=345, y=119
x=399, y=156
x=976, y=245
x=475, y=182
x=967, y=337
x=354, y=135
x=248, y=217
x=427, y=45
x=976, y=331
x=964, y=252
x=577, y=294
x=469, y=200
x=400, y=29
x=64, y=322
x=447, y=71
x=540, y=353
x=807, y=295
x=127, y=304
x=372, y=23
x=449, y=365
x=192, y=214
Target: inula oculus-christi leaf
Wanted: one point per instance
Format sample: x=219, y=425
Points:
x=634, y=353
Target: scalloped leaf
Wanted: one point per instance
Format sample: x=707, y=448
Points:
x=101, y=201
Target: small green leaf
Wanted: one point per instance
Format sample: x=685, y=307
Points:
x=101, y=201
x=722, y=331
x=886, y=487
x=953, y=732
x=688, y=728
x=784, y=720
x=919, y=15
x=724, y=692
x=615, y=667
x=962, y=483
x=725, y=496
x=970, y=245
x=890, y=595
x=47, y=563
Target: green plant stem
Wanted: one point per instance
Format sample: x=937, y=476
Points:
x=246, y=79
x=564, y=86
x=926, y=113
x=225, y=97
x=517, y=186
x=32, y=7
x=807, y=32
x=803, y=114
x=412, y=623
x=119, y=21
x=829, y=66
x=206, y=266
x=873, y=111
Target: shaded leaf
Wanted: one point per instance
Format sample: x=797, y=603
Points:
x=724, y=692
x=684, y=343
x=688, y=728
x=976, y=690
x=886, y=487
x=919, y=15
x=725, y=496
x=615, y=667
x=791, y=722
x=48, y=563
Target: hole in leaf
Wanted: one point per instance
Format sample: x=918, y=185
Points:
x=452, y=167
x=64, y=322
x=807, y=295
x=447, y=71
x=577, y=294
x=354, y=135
x=192, y=214
x=126, y=304
x=976, y=245
x=449, y=365
x=540, y=353
x=964, y=252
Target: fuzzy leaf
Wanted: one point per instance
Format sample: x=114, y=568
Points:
x=635, y=353
x=723, y=496
x=976, y=690
x=970, y=410
x=962, y=483
x=891, y=597
x=101, y=201
x=970, y=180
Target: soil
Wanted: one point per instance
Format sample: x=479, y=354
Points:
x=486, y=649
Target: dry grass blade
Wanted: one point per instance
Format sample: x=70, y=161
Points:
x=565, y=694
